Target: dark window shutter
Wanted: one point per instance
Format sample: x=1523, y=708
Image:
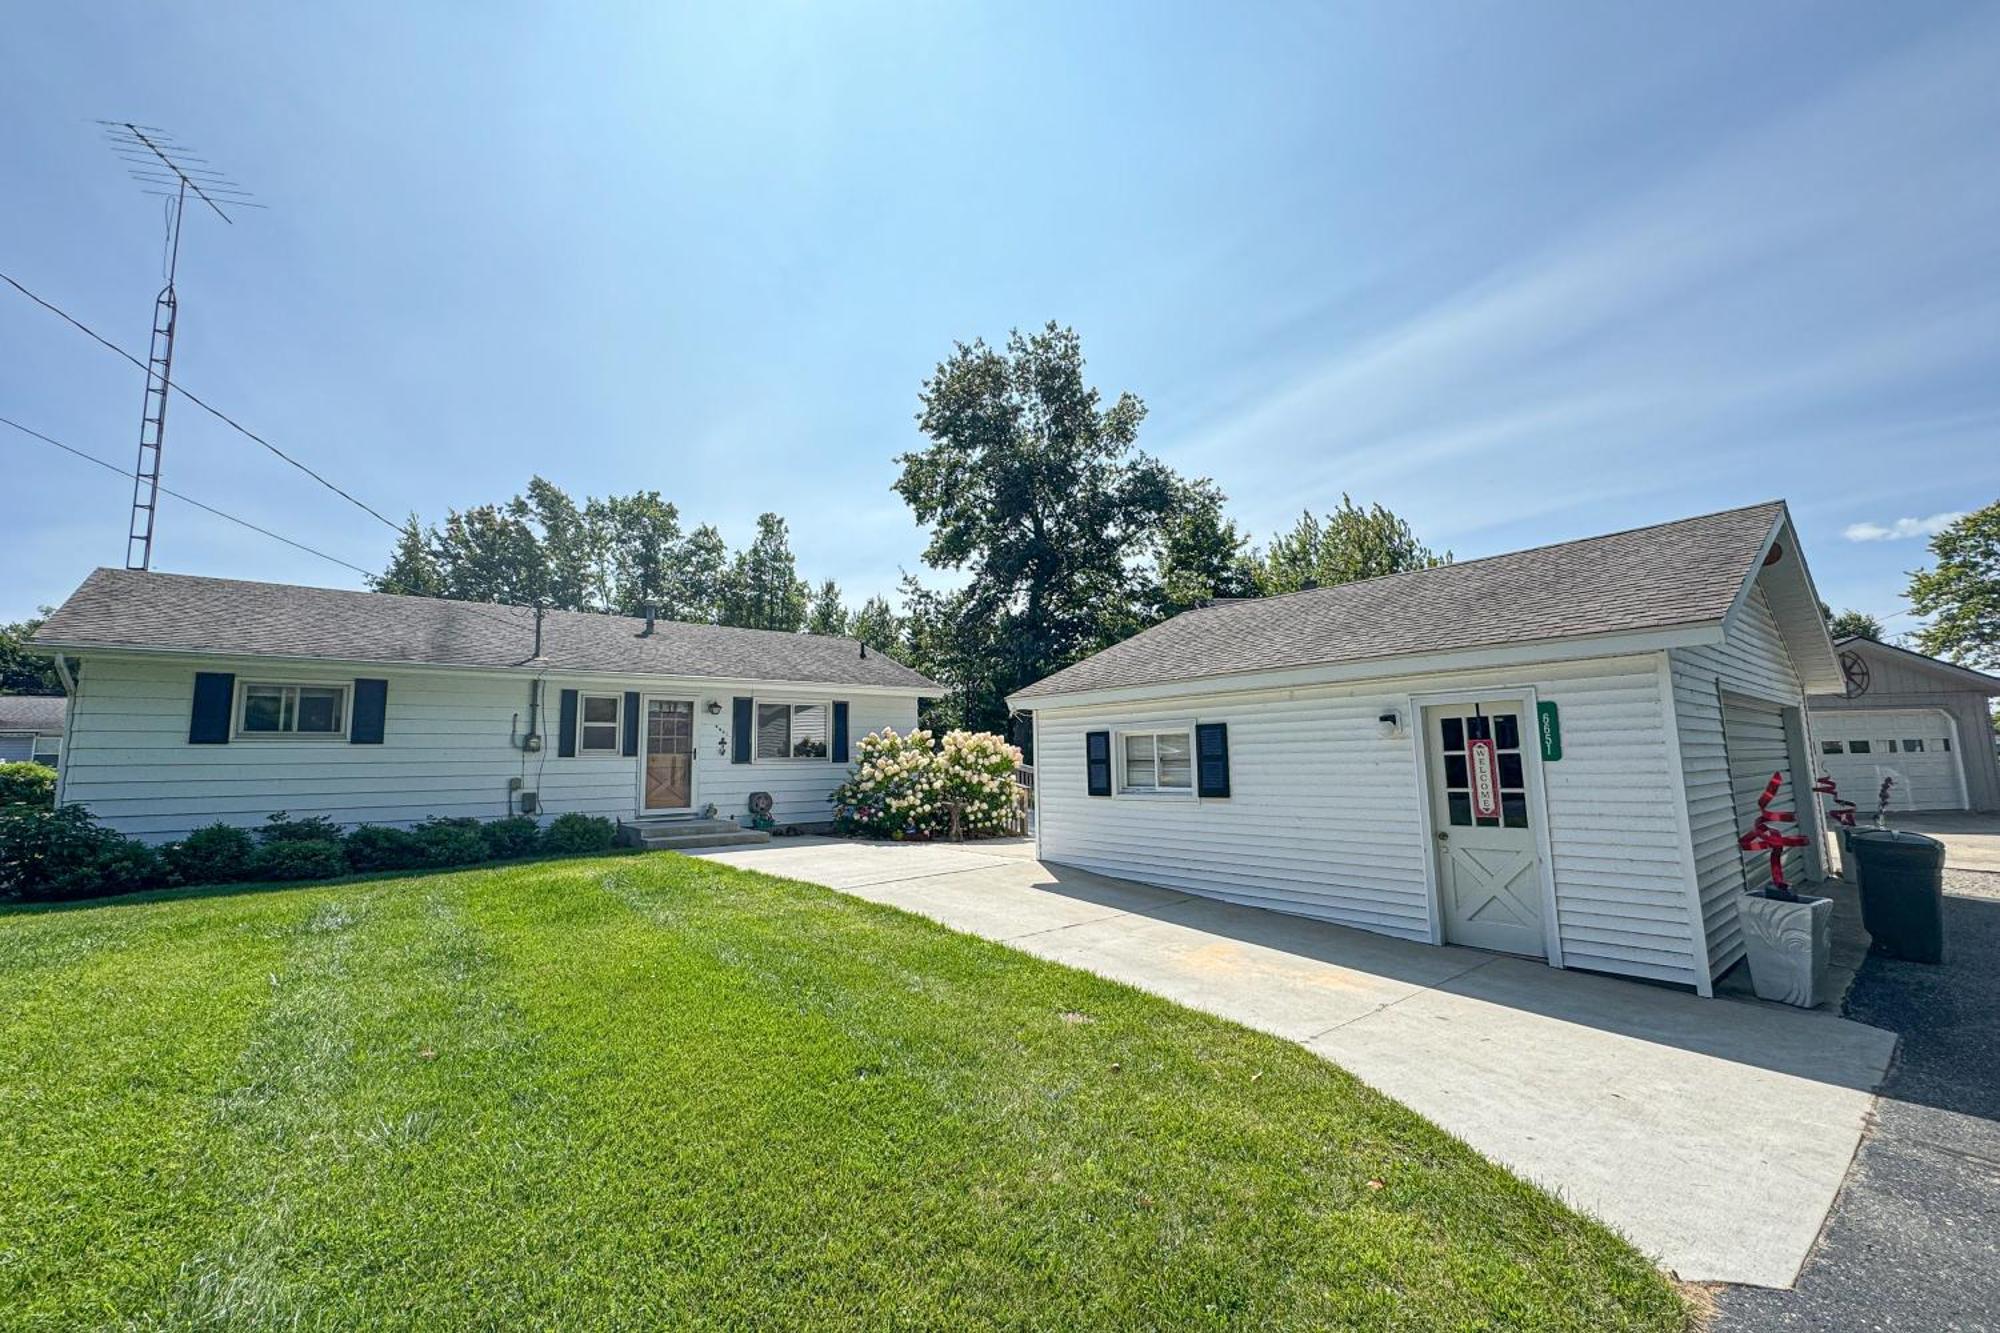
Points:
x=566, y=726
x=840, y=731
x=214, y=696
x=741, y=725
x=371, y=707
x=1211, y=753
x=631, y=723
x=1097, y=762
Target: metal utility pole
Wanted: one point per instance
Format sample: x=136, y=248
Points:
x=171, y=171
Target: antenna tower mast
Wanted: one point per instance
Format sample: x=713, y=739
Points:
x=171, y=171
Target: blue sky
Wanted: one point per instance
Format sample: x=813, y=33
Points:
x=1521, y=272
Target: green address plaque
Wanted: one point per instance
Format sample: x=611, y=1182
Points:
x=1548, y=723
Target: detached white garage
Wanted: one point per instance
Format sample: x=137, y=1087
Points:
x=1549, y=753
x=1916, y=719
x=1915, y=746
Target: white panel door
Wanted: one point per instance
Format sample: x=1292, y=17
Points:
x=1489, y=863
x=1861, y=747
x=1754, y=735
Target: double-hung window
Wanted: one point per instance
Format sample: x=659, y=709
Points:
x=1156, y=762
x=597, y=726
x=792, y=731
x=292, y=710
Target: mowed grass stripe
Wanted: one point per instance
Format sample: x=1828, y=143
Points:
x=118, y=1026
x=655, y=1091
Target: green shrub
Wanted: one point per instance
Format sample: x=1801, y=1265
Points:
x=579, y=833
x=55, y=855
x=28, y=784
x=298, y=858
x=378, y=847
x=450, y=842
x=215, y=854
x=516, y=835
x=281, y=827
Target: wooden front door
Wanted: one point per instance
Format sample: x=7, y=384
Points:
x=669, y=779
x=1489, y=862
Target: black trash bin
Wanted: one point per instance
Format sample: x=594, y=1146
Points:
x=1902, y=892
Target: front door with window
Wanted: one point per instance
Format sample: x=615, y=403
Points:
x=1489, y=863
x=669, y=775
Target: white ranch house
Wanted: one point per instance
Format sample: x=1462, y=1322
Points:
x=197, y=699
x=1550, y=753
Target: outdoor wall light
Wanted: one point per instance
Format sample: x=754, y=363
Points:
x=714, y=707
x=1388, y=725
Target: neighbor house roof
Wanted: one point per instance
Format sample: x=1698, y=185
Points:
x=39, y=713
x=1963, y=677
x=1671, y=575
x=128, y=609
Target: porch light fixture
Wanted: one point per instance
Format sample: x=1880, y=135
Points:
x=714, y=707
x=1388, y=726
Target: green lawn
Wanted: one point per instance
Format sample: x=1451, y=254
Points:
x=635, y=1091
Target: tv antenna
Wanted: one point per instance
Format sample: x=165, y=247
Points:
x=171, y=170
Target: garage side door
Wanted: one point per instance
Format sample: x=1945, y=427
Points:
x=1755, y=737
x=1860, y=747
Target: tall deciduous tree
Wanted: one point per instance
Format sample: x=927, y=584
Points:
x=1201, y=554
x=1349, y=543
x=413, y=568
x=828, y=615
x=1960, y=595
x=877, y=625
x=24, y=669
x=764, y=590
x=1035, y=488
x=1851, y=622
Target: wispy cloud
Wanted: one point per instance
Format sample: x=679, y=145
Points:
x=1665, y=330
x=1900, y=528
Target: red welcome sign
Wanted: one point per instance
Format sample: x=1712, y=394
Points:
x=1484, y=761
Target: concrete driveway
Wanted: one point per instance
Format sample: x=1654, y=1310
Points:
x=1971, y=842
x=1713, y=1133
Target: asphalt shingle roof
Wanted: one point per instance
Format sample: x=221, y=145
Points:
x=1682, y=573
x=117, y=608
x=39, y=713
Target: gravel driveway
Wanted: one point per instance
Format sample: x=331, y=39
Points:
x=1914, y=1239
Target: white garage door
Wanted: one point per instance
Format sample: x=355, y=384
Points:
x=1860, y=747
x=1755, y=736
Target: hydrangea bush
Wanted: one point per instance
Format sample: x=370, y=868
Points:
x=913, y=786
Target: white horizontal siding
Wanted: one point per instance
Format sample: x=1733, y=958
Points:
x=1324, y=818
x=1752, y=659
x=448, y=749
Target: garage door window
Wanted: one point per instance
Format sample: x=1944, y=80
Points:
x=1858, y=747
x=1913, y=746
x=1832, y=747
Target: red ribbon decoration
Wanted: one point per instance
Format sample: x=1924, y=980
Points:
x=1765, y=837
x=1843, y=811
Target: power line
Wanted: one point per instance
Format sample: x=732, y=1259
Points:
x=219, y=415
x=185, y=499
x=474, y=607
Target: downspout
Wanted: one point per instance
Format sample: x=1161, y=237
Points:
x=69, y=715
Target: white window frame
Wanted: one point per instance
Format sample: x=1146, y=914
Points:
x=757, y=706
x=243, y=687
x=617, y=746
x=35, y=751
x=1122, y=789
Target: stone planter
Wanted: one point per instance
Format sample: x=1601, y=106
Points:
x=1787, y=945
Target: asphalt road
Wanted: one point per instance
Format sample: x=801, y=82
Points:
x=1914, y=1239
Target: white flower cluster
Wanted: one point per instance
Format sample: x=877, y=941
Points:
x=916, y=786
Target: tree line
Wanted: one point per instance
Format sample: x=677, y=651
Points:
x=1060, y=534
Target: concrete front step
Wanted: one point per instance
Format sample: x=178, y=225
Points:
x=682, y=834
